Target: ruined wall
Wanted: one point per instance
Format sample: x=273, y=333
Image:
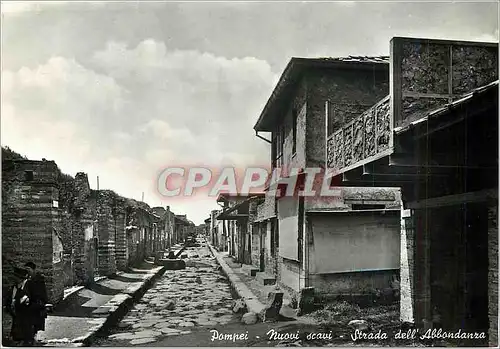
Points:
x=30, y=216
x=144, y=222
x=431, y=73
x=83, y=215
x=349, y=93
x=106, y=231
x=266, y=208
x=352, y=284
x=121, y=252
x=255, y=236
x=169, y=220
x=253, y=233
x=256, y=246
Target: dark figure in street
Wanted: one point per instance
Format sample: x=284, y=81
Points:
x=18, y=304
x=36, y=285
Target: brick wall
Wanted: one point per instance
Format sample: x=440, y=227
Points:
x=106, y=233
x=29, y=219
x=83, y=215
x=266, y=208
x=121, y=238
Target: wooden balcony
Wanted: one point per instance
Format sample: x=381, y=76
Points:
x=364, y=139
x=427, y=76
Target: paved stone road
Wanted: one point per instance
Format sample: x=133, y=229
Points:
x=197, y=298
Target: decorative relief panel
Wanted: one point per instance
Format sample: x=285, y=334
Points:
x=364, y=137
x=338, y=154
x=383, y=114
x=358, y=129
x=369, y=133
x=347, y=148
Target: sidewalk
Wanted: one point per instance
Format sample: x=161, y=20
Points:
x=87, y=312
x=253, y=292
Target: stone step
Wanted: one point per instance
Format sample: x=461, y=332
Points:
x=265, y=279
x=249, y=269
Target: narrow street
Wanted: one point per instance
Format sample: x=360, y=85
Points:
x=181, y=302
x=185, y=307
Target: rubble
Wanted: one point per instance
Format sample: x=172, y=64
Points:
x=250, y=318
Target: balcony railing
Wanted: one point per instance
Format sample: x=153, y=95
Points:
x=365, y=137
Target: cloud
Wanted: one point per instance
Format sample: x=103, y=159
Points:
x=131, y=112
x=26, y=7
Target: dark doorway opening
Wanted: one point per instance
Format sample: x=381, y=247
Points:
x=459, y=267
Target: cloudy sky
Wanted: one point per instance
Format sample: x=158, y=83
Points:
x=122, y=90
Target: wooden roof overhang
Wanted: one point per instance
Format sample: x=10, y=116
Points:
x=293, y=73
x=236, y=212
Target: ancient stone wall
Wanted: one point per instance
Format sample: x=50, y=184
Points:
x=30, y=217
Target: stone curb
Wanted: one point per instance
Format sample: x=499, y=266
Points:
x=118, y=307
x=252, y=302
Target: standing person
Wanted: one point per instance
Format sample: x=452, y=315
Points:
x=36, y=285
x=18, y=304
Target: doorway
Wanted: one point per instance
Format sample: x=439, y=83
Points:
x=459, y=266
x=262, y=246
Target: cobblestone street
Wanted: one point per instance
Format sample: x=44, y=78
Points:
x=197, y=298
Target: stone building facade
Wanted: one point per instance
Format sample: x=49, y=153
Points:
x=313, y=99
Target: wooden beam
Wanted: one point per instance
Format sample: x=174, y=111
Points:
x=393, y=178
x=384, y=170
x=232, y=217
x=360, y=163
x=353, y=174
x=457, y=199
x=438, y=161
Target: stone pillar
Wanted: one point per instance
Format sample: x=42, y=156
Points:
x=252, y=215
x=121, y=239
x=406, y=262
x=106, y=226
